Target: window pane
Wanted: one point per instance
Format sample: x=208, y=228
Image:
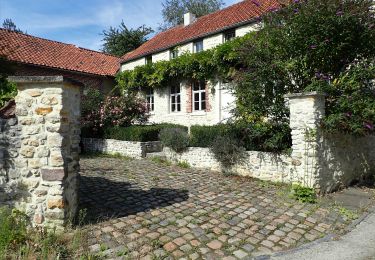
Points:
x=203, y=105
x=173, y=99
x=178, y=89
x=196, y=105
x=178, y=107
x=152, y=107
x=178, y=99
x=195, y=86
x=196, y=96
x=203, y=96
x=173, y=107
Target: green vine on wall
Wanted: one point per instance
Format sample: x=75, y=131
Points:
x=220, y=62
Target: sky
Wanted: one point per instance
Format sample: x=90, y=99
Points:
x=81, y=22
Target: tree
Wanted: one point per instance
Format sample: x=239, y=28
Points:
x=174, y=10
x=312, y=45
x=121, y=40
x=10, y=25
x=7, y=90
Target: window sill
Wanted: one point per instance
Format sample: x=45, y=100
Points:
x=199, y=113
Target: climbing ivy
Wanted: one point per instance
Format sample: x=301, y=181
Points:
x=217, y=63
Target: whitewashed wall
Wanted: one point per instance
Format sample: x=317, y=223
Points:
x=132, y=64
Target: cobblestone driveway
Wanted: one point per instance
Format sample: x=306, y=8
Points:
x=141, y=209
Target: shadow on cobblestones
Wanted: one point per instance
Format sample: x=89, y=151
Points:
x=106, y=199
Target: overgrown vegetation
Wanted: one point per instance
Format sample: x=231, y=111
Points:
x=8, y=90
x=17, y=241
x=303, y=194
x=136, y=133
x=175, y=138
x=227, y=150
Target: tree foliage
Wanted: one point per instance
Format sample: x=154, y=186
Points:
x=173, y=10
x=10, y=25
x=306, y=46
x=121, y=40
x=7, y=90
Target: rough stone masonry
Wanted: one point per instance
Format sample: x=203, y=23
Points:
x=39, y=150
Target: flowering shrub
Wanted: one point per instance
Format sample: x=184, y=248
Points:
x=118, y=111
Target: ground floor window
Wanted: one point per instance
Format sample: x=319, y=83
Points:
x=150, y=100
x=175, y=98
x=199, y=95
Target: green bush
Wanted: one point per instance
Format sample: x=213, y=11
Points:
x=227, y=150
x=175, y=138
x=268, y=137
x=136, y=133
x=303, y=194
x=12, y=229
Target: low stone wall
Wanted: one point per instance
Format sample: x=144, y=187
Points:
x=10, y=143
x=318, y=160
x=135, y=150
x=261, y=165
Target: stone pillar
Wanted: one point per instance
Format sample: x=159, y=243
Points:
x=48, y=110
x=306, y=112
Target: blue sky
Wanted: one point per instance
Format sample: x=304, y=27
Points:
x=80, y=22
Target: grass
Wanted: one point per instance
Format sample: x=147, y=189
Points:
x=18, y=241
x=105, y=155
x=183, y=164
x=161, y=161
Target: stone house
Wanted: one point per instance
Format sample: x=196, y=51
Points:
x=34, y=56
x=190, y=102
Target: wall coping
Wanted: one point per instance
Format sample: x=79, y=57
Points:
x=43, y=79
x=305, y=94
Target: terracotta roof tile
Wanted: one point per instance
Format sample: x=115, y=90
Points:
x=28, y=49
x=242, y=12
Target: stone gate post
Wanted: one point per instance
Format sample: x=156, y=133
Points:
x=306, y=112
x=48, y=111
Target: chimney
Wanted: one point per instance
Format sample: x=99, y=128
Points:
x=189, y=18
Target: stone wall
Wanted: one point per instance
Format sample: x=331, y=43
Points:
x=318, y=160
x=42, y=150
x=135, y=150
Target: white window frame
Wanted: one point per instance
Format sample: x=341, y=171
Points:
x=196, y=44
x=174, y=54
x=150, y=100
x=201, y=90
x=226, y=39
x=176, y=95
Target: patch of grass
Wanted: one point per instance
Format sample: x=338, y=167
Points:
x=183, y=164
x=347, y=213
x=161, y=161
x=18, y=241
x=303, y=194
x=105, y=155
x=156, y=244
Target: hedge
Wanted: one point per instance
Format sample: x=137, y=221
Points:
x=136, y=133
x=265, y=137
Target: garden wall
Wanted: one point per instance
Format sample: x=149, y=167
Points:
x=136, y=150
x=319, y=160
x=40, y=150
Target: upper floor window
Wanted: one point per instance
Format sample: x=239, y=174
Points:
x=176, y=98
x=198, y=46
x=229, y=35
x=149, y=59
x=150, y=100
x=174, y=53
x=199, y=95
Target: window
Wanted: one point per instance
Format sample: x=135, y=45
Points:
x=150, y=100
x=149, y=59
x=176, y=98
x=174, y=53
x=198, y=46
x=229, y=35
x=199, y=96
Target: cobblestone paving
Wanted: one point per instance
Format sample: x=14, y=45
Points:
x=139, y=209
